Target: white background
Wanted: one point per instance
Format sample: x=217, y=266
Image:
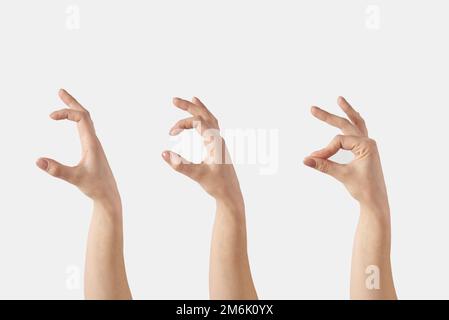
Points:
x=256, y=64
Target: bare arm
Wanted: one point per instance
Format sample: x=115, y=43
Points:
x=371, y=275
x=230, y=275
x=105, y=275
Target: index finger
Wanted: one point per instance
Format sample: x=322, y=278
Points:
x=339, y=142
x=85, y=126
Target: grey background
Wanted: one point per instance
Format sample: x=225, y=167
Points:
x=256, y=64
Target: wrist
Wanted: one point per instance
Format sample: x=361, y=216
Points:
x=379, y=210
x=235, y=207
x=109, y=207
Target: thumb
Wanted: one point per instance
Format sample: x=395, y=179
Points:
x=181, y=165
x=326, y=166
x=56, y=169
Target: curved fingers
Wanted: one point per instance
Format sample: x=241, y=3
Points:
x=182, y=165
x=68, y=114
x=185, y=124
x=329, y=167
x=339, y=142
x=85, y=125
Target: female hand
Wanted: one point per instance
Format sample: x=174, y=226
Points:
x=363, y=176
x=215, y=173
x=92, y=175
x=105, y=273
x=230, y=274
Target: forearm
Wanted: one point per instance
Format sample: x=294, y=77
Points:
x=105, y=274
x=371, y=275
x=230, y=274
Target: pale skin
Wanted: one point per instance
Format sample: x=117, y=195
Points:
x=105, y=275
x=363, y=178
x=230, y=275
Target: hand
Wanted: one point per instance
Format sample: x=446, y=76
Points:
x=215, y=173
x=363, y=176
x=92, y=175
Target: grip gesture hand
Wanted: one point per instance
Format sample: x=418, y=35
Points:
x=215, y=173
x=364, y=179
x=230, y=274
x=92, y=175
x=363, y=176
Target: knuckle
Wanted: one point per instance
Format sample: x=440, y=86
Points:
x=54, y=170
x=197, y=122
x=83, y=115
x=322, y=166
x=370, y=143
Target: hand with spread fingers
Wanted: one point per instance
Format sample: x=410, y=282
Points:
x=363, y=177
x=105, y=276
x=230, y=274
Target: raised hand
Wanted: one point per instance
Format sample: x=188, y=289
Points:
x=363, y=176
x=216, y=172
x=92, y=175
x=230, y=274
x=364, y=180
x=105, y=275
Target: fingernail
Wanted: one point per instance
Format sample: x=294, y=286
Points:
x=313, y=109
x=166, y=155
x=42, y=164
x=310, y=162
x=175, y=131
